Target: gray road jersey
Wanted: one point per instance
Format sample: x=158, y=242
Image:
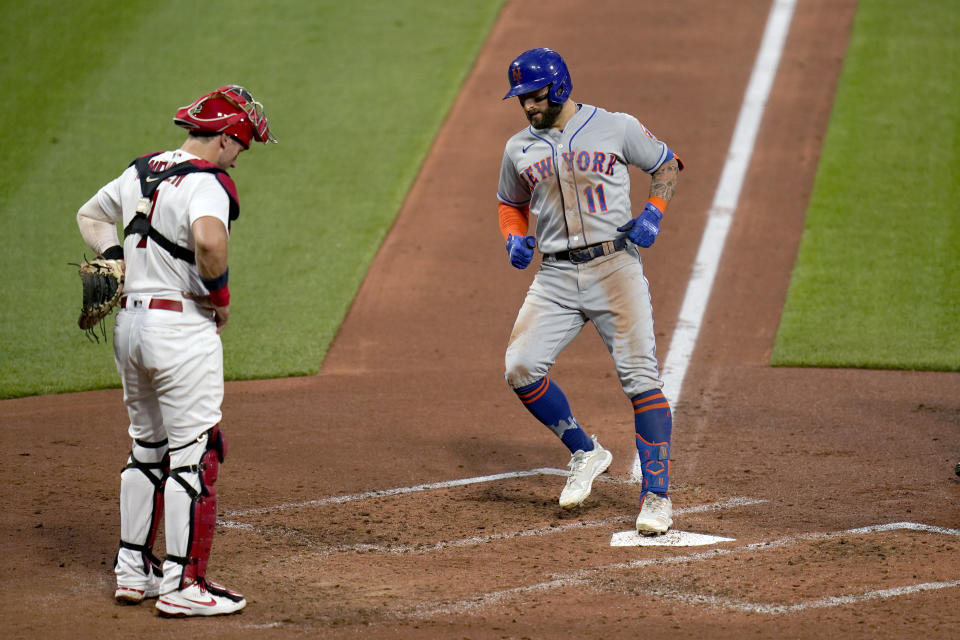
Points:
x=576, y=181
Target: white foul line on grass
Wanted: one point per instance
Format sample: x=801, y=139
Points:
x=720, y=215
x=589, y=577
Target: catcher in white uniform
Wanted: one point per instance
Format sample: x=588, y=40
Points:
x=176, y=208
x=569, y=169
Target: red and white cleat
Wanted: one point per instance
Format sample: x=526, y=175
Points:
x=203, y=598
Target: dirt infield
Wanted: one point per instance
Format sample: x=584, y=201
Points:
x=404, y=492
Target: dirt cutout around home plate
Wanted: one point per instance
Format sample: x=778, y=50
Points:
x=404, y=492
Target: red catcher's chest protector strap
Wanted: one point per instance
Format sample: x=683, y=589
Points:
x=149, y=182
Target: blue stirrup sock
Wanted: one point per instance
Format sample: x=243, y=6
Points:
x=548, y=404
x=653, y=423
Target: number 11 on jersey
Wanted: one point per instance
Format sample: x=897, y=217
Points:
x=601, y=200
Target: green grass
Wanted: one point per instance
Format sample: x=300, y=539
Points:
x=355, y=92
x=877, y=280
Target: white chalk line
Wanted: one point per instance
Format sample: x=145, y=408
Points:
x=720, y=215
x=587, y=577
x=381, y=493
x=781, y=609
x=322, y=550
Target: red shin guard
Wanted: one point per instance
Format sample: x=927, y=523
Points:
x=203, y=511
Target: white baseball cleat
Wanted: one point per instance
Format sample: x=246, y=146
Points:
x=656, y=515
x=133, y=595
x=203, y=598
x=584, y=466
x=128, y=594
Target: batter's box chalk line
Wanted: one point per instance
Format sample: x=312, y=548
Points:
x=585, y=577
x=687, y=539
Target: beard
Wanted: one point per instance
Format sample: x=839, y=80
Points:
x=547, y=117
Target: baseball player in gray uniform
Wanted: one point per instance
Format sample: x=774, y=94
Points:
x=176, y=208
x=569, y=169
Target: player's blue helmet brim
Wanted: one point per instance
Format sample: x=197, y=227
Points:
x=537, y=68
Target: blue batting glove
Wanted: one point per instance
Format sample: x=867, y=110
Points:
x=643, y=229
x=520, y=250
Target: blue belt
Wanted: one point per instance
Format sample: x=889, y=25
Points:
x=588, y=253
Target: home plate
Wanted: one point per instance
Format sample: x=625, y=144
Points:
x=669, y=539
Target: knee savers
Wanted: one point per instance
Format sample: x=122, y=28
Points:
x=203, y=506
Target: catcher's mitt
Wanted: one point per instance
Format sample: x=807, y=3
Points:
x=102, y=281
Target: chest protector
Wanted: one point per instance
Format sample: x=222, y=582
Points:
x=150, y=180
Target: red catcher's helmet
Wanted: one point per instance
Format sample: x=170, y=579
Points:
x=231, y=110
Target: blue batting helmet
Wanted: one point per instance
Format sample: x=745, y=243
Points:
x=537, y=68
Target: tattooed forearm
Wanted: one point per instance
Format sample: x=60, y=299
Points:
x=664, y=180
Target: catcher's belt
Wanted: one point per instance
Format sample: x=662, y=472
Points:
x=156, y=303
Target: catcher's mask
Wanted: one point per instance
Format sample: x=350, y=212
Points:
x=230, y=109
x=537, y=68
